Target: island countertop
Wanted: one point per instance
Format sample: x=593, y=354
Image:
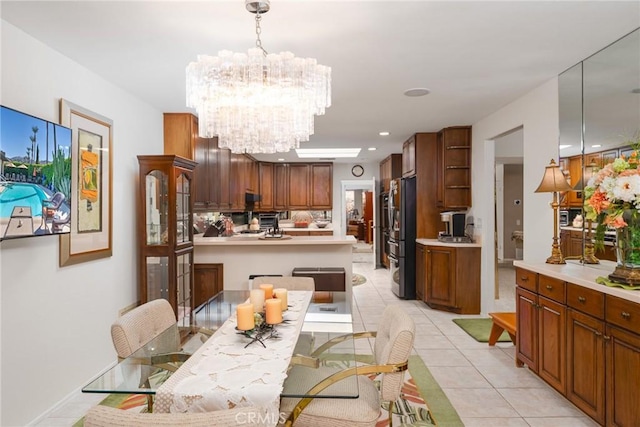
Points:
x=436, y=242
x=256, y=240
x=244, y=255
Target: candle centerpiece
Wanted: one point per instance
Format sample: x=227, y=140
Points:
x=259, y=325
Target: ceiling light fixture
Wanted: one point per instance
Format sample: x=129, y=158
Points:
x=257, y=102
x=372, y=148
x=384, y=133
x=327, y=152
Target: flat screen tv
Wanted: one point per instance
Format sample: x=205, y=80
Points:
x=35, y=176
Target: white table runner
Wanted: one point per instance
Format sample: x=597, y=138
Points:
x=223, y=374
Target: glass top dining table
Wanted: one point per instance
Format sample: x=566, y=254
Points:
x=328, y=317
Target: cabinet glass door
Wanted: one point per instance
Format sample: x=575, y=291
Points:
x=157, y=207
x=157, y=278
x=183, y=285
x=183, y=218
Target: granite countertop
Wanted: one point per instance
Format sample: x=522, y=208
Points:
x=254, y=240
x=436, y=242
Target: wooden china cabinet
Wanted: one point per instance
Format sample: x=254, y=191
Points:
x=165, y=231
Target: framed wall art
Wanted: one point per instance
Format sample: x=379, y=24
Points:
x=91, y=179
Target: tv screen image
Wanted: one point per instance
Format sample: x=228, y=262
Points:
x=35, y=176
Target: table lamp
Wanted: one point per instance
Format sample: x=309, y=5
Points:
x=554, y=181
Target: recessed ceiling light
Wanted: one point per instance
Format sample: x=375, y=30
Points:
x=596, y=146
x=562, y=147
x=281, y=160
x=384, y=133
x=327, y=152
x=372, y=148
x=417, y=91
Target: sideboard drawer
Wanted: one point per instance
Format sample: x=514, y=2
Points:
x=527, y=279
x=623, y=313
x=551, y=288
x=586, y=300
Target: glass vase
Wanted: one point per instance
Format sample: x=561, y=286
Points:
x=628, y=250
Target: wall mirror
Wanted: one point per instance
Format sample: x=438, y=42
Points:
x=599, y=107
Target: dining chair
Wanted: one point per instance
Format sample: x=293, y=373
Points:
x=392, y=347
x=288, y=282
x=105, y=416
x=140, y=325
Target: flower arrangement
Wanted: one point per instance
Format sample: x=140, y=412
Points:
x=612, y=200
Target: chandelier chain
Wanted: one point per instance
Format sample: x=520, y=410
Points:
x=258, y=32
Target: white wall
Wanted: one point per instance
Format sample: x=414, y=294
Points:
x=537, y=112
x=56, y=321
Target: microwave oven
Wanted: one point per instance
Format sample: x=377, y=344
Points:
x=564, y=218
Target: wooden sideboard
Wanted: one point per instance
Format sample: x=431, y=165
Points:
x=582, y=338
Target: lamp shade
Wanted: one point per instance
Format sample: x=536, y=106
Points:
x=553, y=180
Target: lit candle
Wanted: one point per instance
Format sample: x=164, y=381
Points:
x=268, y=290
x=273, y=309
x=281, y=294
x=245, y=316
x=257, y=299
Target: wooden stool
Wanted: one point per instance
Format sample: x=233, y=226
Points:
x=502, y=322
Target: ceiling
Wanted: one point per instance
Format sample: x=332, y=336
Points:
x=475, y=57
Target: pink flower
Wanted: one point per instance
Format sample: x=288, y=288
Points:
x=615, y=222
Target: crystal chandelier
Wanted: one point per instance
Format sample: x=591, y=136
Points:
x=257, y=102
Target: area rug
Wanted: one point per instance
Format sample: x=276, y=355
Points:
x=422, y=402
x=357, y=279
x=480, y=329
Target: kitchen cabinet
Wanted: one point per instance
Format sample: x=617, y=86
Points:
x=211, y=175
x=165, y=232
x=281, y=186
x=321, y=188
x=390, y=168
x=265, y=182
x=298, y=188
x=208, y=281
x=452, y=278
x=602, y=345
x=243, y=179
x=595, y=158
x=428, y=222
x=571, y=242
x=609, y=156
x=541, y=342
x=409, y=157
x=454, y=168
x=421, y=270
x=303, y=186
x=575, y=175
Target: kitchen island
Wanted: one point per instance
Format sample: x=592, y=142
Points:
x=245, y=255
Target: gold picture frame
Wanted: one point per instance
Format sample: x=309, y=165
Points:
x=91, y=185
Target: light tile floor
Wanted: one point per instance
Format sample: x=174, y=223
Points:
x=481, y=382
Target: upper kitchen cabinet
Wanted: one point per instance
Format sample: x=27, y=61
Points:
x=303, y=186
x=265, y=182
x=243, y=179
x=454, y=163
x=321, y=186
x=180, y=134
x=409, y=157
x=390, y=168
x=299, y=180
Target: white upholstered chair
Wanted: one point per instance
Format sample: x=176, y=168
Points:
x=104, y=416
x=393, y=343
x=140, y=325
x=296, y=283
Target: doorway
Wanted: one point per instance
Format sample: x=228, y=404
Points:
x=509, y=209
x=359, y=218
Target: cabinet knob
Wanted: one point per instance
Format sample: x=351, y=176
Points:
x=606, y=337
x=625, y=315
x=524, y=278
x=598, y=333
x=549, y=287
x=582, y=299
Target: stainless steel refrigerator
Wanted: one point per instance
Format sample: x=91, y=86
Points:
x=402, y=237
